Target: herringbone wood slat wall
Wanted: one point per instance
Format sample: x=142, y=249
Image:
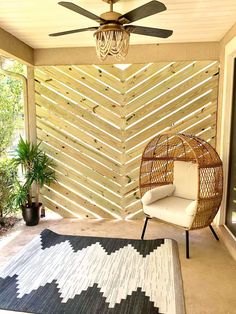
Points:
x=95, y=121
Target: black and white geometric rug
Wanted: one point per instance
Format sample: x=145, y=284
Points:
x=89, y=275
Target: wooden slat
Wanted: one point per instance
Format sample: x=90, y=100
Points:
x=66, y=187
x=88, y=130
x=81, y=155
x=136, y=206
x=185, y=125
x=64, y=202
x=88, y=183
x=177, y=115
x=99, y=200
x=160, y=77
x=181, y=127
x=47, y=107
x=134, y=195
x=204, y=124
x=81, y=99
x=132, y=186
x=131, y=70
x=83, y=78
x=138, y=215
x=191, y=83
x=77, y=109
x=75, y=132
x=209, y=134
x=90, y=93
x=146, y=73
x=65, y=161
x=57, y=208
x=101, y=75
x=112, y=70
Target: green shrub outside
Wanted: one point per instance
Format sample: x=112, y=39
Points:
x=11, y=112
x=8, y=187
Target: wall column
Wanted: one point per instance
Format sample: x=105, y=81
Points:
x=30, y=110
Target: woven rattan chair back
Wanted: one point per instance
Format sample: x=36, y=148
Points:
x=157, y=167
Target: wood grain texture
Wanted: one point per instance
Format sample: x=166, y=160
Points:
x=95, y=121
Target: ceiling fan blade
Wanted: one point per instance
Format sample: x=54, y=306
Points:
x=74, y=31
x=73, y=7
x=145, y=10
x=149, y=31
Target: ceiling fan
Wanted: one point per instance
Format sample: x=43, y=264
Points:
x=112, y=36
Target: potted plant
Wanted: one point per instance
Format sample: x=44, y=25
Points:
x=37, y=170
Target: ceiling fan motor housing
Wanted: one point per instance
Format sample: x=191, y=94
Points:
x=111, y=27
x=110, y=16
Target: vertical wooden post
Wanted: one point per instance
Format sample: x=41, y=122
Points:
x=30, y=115
x=30, y=108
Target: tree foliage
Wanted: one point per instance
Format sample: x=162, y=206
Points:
x=11, y=106
x=11, y=118
x=8, y=181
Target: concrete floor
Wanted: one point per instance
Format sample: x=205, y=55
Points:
x=209, y=276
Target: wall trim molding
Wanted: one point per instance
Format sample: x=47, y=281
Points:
x=12, y=47
x=228, y=239
x=137, y=54
x=226, y=111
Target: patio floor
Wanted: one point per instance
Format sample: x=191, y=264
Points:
x=209, y=276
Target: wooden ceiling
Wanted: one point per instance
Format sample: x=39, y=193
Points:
x=191, y=20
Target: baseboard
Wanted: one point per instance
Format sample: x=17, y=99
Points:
x=228, y=239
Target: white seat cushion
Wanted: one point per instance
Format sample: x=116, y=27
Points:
x=186, y=180
x=176, y=210
x=157, y=194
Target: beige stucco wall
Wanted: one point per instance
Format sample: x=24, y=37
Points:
x=137, y=54
x=222, y=45
x=227, y=55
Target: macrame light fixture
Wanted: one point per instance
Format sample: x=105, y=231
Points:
x=112, y=40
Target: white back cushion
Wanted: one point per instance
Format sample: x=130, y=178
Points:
x=186, y=180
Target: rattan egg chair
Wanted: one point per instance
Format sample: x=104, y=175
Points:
x=181, y=182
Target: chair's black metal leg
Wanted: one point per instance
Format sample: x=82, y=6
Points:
x=214, y=233
x=144, y=227
x=187, y=243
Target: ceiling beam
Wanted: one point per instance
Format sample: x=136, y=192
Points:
x=12, y=47
x=137, y=54
x=227, y=37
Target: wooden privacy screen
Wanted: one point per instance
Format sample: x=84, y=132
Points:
x=95, y=121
